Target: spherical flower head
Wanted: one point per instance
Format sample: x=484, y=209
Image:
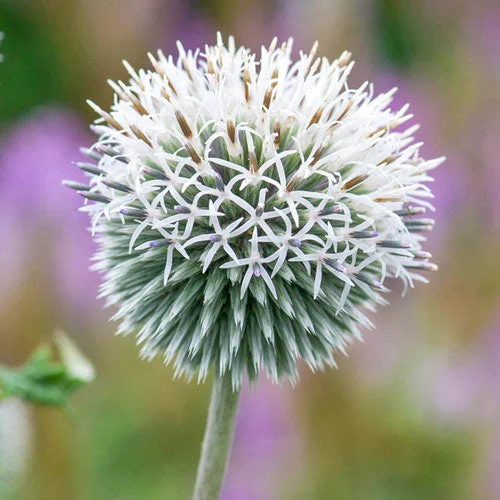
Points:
x=248, y=209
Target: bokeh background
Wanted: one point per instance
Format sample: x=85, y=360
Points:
x=413, y=412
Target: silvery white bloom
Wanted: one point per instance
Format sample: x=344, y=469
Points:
x=248, y=208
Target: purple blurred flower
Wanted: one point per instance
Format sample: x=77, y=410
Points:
x=484, y=34
x=452, y=387
x=188, y=25
x=465, y=390
x=265, y=439
x=488, y=147
x=193, y=29
x=488, y=356
x=377, y=364
x=463, y=386
x=476, y=22
x=35, y=155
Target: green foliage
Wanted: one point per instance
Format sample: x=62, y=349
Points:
x=29, y=74
x=380, y=445
x=42, y=380
x=399, y=30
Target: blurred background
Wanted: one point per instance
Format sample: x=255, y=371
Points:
x=412, y=413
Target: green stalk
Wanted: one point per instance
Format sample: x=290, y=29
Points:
x=217, y=439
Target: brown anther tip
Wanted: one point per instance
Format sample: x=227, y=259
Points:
x=344, y=59
x=172, y=88
x=117, y=90
x=105, y=115
x=165, y=94
x=388, y=160
x=96, y=108
x=139, y=107
x=312, y=68
x=186, y=129
x=317, y=155
x=246, y=83
x=140, y=135
x=210, y=67
x=186, y=68
x=156, y=65
x=277, y=131
x=254, y=167
x=193, y=154
x=316, y=117
x=346, y=110
x=354, y=182
x=231, y=131
x=381, y=131
x=152, y=59
x=113, y=123
x=291, y=185
x=274, y=77
x=315, y=66
x=127, y=95
x=314, y=49
x=133, y=75
x=267, y=99
x=386, y=200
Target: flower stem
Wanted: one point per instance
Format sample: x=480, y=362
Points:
x=217, y=439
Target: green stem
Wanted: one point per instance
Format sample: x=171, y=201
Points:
x=217, y=439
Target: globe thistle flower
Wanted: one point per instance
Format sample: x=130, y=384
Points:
x=248, y=208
